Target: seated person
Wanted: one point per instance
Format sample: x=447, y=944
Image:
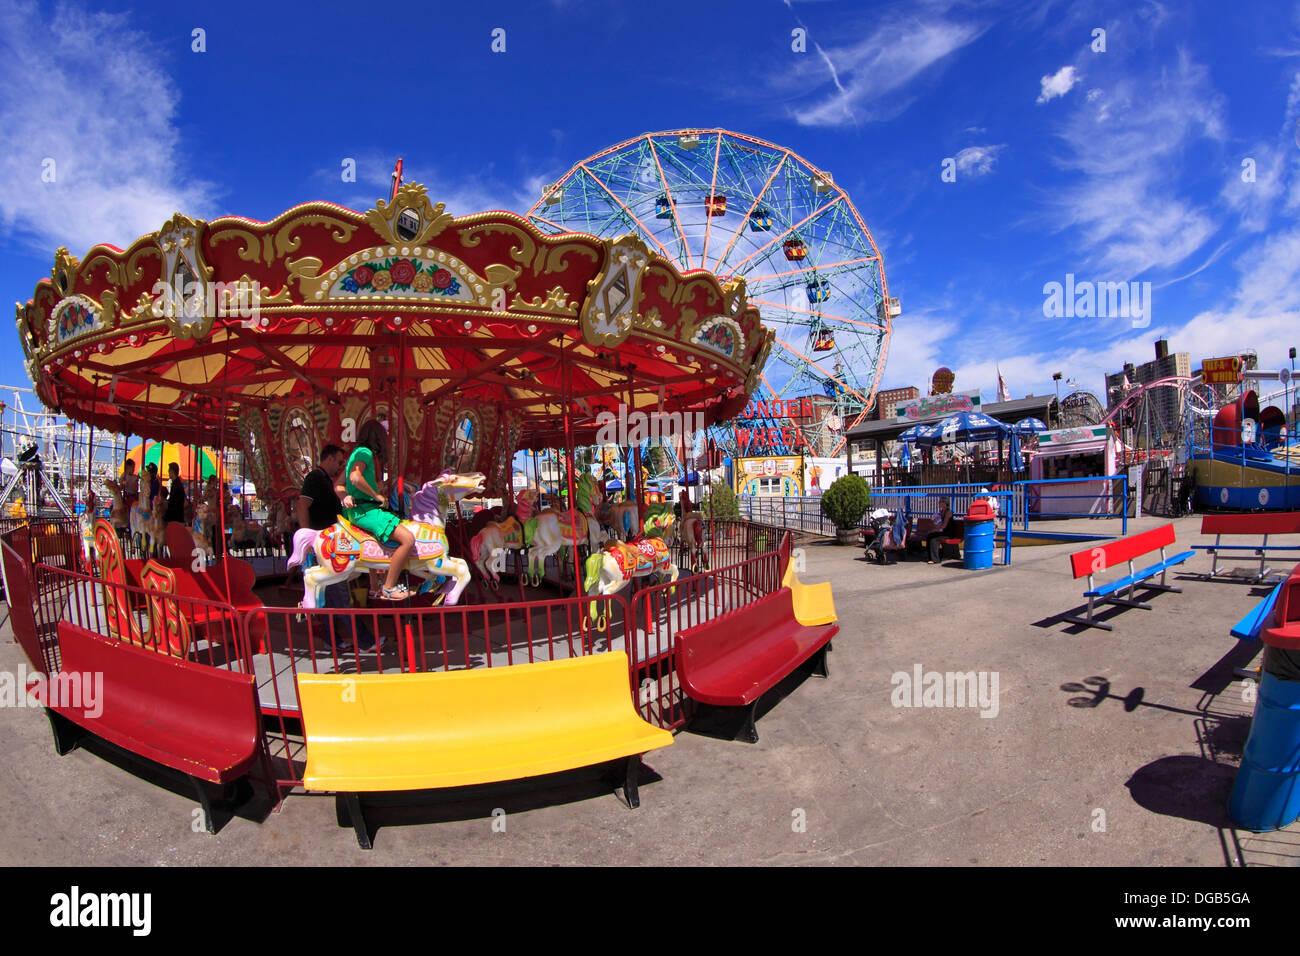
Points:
x=943, y=524
x=363, y=504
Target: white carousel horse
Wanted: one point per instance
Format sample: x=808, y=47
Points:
x=155, y=528
x=549, y=531
x=488, y=548
x=117, y=516
x=612, y=568
x=138, y=521
x=200, y=532
x=343, y=551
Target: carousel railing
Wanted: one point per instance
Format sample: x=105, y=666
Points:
x=414, y=639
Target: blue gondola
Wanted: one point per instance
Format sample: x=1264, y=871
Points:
x=663, y=208
x=818, y=291
x=760, y=220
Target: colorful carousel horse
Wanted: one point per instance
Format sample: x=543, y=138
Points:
x=612, y=568
x=488, y=548
x=548, y=531
x=343, y=551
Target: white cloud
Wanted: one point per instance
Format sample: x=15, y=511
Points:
x=976, y=161
x=873, y=78
x=1129, y=208
x=84, y=90
x=1058, y=83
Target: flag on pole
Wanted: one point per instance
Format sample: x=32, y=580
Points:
x=1003, y=394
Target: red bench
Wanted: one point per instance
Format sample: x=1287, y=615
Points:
x=198, y=720
x=1125, y=551
x=732, y=660
x=1279, y=522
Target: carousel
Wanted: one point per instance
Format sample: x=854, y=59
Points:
x=468, y=339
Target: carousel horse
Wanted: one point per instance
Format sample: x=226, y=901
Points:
x=138, y=519
x=548, y=531
x=612, y=568
x=343, y=551
x=199, y=533
x=622, y=519
x=154, y=528
x=691, y=534
x=118, y=516
x=86, y=524
x=660, y=522
x=488, y=548
x=246, y=534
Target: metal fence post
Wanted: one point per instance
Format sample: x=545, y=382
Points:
x=1124, y=518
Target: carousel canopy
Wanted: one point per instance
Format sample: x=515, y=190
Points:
x=477, y=333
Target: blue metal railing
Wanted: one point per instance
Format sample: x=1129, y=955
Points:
x=1016, y=503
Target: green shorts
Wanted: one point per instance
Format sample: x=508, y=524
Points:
x=377, y=521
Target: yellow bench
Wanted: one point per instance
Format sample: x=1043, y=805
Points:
x=813, y=603
x=382, y=732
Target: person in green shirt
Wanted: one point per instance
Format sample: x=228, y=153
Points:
x=363, y=504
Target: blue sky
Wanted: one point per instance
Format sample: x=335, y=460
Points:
x=1113, y=166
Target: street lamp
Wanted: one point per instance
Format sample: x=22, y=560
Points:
x=1056, y=379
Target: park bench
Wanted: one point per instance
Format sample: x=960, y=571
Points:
x=386, y=732
x=200, y=721
x=1125, y=551
x=1275, y=523
x=732, y=660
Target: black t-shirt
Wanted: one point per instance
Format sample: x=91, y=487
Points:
x=325, y=506
x=175, y=502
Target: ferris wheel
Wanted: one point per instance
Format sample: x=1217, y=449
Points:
x=741, y=207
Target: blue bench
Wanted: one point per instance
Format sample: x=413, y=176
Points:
x=1279, y=522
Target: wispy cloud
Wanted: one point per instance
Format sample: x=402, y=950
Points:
x=1131, y=210
x=874, y=78
x=974, y=161
x=462, y=195
x=85, y=91
x=1059, y=83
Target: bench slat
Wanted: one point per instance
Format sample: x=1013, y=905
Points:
x=1121, y=551
x=1278, y=522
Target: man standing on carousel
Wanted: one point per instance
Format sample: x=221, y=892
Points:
x=318, y=507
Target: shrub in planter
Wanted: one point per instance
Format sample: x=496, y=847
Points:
x=844, y=503
x=720, y=501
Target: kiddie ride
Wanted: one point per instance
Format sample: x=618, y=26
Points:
x=1251, y=462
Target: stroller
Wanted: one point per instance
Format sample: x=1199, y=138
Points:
x=884, y=537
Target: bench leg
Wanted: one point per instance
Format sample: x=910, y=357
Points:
x=1090, y=621
x=820, y=667
x=749, y=731
x=630, y=780
x=67, y=733
x=205, y=802
x=347, y=810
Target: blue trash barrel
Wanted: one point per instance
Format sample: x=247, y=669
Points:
x=977, y=545
x=977, y=542
x=1266, y=795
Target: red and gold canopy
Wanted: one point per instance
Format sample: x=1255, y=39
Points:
x=277, y=337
